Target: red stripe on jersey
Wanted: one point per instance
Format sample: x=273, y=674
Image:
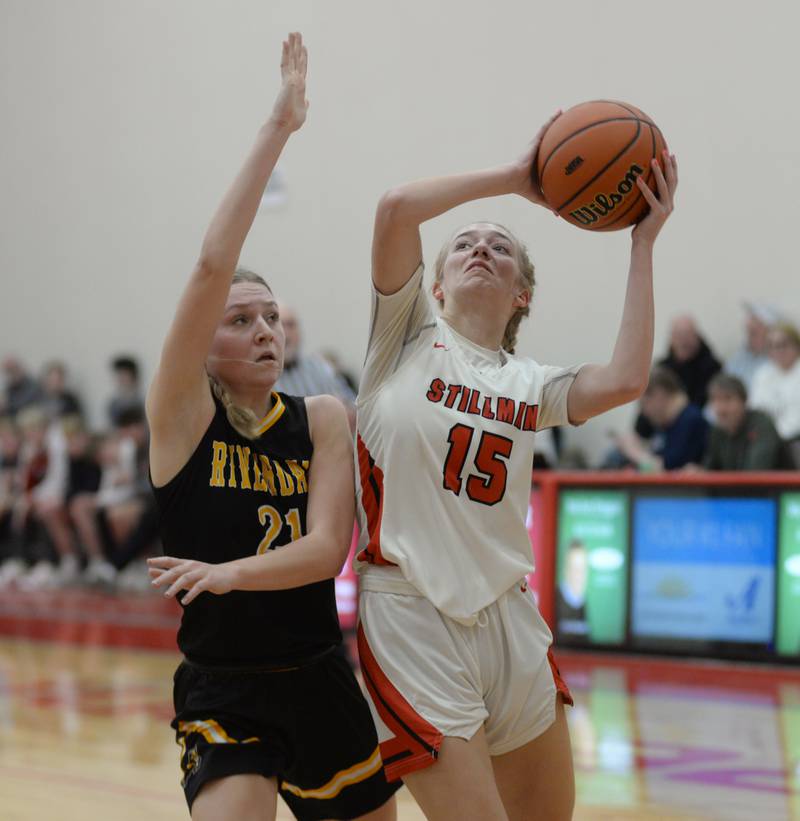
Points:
x=372, y=500
x=561, y=685
x=416, y=742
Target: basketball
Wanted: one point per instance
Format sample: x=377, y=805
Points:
x=588, y=162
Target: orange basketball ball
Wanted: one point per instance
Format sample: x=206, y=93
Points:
x=589, y=159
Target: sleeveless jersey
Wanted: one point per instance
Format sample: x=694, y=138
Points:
x=444, y=455
x=234, y=498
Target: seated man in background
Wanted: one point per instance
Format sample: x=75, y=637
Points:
x=759, y=318
x=742, y=439
x=681, y=432
x=308, y=374
x=57, y=400
x=20, y=389
x=776, y=384
x=127, y=394
x=691, y=358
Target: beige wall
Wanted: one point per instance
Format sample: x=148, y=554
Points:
x=123, y=122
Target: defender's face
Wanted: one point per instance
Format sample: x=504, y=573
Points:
x=247, y=350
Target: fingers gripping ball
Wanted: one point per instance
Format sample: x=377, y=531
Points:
x=589, y=160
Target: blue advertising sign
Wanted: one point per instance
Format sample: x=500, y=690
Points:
x=704, y=569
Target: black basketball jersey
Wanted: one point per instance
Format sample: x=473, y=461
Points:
x=238, y=497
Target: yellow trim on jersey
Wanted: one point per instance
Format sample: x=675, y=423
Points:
x=344, y=778
x=211, y=732
x=273, y=416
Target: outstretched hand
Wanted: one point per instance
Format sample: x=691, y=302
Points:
x=186, y=574
x=526, y=183
x=661, y=206
x=291, y=106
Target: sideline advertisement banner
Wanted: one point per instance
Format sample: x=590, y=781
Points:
x=592, y=567
x=787, y=639
x=704, y=569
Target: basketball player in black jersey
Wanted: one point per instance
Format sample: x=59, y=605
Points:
x=255, y=494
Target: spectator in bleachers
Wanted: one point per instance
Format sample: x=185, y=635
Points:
x=681, y=431
x=776, y=384
x=32, y=468
x=759, y=318
x=21, y=390
x=308, y=374
x=9, y=455
x=104, y=519
x=127, y=390
x=742, y=439
x=334, y=360
x=57, y=400
x=691, y=358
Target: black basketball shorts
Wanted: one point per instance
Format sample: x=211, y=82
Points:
x=309, y=727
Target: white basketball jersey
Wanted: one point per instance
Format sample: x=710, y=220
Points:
x=445, y=438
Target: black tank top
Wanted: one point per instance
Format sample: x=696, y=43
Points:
x=237, y=497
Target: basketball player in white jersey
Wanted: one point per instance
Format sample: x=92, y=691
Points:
x=468, y=702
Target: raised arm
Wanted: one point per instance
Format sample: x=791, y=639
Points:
x=317, y=555
x=396, y=244
x=598, y=388
x=179, y=394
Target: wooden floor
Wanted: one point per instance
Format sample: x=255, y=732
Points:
x=84, y=735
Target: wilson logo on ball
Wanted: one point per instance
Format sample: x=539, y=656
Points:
x=604, y=204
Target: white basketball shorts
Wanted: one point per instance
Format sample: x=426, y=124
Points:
x=429, y=677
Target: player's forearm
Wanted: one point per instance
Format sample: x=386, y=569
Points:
x=228, y=229
x=417, y=202
x=633, y=351
x=312, y=558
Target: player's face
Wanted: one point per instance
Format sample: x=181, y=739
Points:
x=247, y=350
x=483, y=260
x=729, y=410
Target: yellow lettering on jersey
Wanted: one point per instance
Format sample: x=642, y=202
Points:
x=258, y=481
x=244, y=467
x=267, y=512
x=299, y=473
x=285, y=481
x=232, y=471
x=218, y=464
x=269, y=476
x=293, y=520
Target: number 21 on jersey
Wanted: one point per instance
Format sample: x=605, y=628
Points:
x=271, y=518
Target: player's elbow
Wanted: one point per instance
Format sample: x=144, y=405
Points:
x=628, y=386
x=335, y=555
x=395, y=205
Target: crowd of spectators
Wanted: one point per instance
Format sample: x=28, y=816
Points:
x=699, y=413
x=74, y=504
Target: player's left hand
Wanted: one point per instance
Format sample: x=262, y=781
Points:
x=661, y=206
x=186, y=574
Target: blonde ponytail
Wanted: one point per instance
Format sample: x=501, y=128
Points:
x=242, y=420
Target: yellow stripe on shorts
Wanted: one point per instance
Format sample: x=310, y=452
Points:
x=344, y=778
x=211, y=732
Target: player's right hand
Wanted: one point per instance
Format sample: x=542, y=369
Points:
x=192, y=576
x=291, y=106
x=526, y=183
